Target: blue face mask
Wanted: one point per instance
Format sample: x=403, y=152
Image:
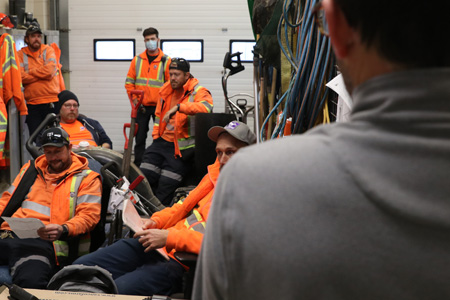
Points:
x=151, y=45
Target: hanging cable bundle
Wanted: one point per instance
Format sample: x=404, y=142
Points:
x=312, y=64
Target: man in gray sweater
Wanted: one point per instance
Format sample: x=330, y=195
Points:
x=357, y=210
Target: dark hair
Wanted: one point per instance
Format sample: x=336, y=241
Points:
x=150, y=31
x=402, y=31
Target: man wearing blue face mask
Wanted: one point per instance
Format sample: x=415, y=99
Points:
x=148, y=72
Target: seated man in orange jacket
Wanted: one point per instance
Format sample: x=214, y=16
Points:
x=136, y=269
x=65, y=196
x=168, y=159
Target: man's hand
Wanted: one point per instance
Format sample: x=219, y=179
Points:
x=170, y=113
x=149, y=224
x=152, y=239
x=51, y=232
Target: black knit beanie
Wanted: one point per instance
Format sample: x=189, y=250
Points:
x=65, y=96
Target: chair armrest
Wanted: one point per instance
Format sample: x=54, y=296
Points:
x=186, y=258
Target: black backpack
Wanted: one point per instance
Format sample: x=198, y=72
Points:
x=81, y=278
x=21, y=191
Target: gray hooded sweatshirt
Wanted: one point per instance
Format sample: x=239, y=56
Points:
x=357, y=210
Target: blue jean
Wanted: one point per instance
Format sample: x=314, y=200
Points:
x=136, y=272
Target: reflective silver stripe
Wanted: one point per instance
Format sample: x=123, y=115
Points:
x=150, y=167
x=28, y=258
x=11, y=60
x=129, y=80
x=185, y=143
x=208, y=106
x=171, y=175
x=39, y=208
x=199, y=228
x=195, y=222
x=61, y=248
x=53, y=60
x=44, y=55
x=140, y=81
x=25, y=62
x=88, y=199
x=83, y=246
x=138, y=65
x=157, y=121
x=11, y=189
x=75, y=185
x=162, y=68
x=155, y=83
x=3, y=127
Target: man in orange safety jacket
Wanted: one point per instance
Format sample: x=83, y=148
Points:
x=40, y=77
x=166, y=161
x=136, y=269
x=65, y=197
x=148, y=72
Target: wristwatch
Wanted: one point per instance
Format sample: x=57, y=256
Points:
x=65, y=232
x=178, y=107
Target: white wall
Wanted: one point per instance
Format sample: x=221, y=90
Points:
x=100, y=85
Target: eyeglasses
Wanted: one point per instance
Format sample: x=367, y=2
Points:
x=67, y=105
x=321, y=20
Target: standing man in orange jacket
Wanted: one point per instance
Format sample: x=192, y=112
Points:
x=148, y=72
x=167, y=160
x=65, y=196
x=139, y=271
x=40, y=77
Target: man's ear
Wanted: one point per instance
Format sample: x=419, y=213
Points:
x=341, y=34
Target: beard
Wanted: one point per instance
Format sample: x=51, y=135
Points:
x=57, y=166
x=35, y=46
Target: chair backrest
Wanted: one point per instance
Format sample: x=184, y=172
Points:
x=205, y=149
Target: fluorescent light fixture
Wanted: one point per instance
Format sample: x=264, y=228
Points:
x=243, y=46
x=191, y=50
x=114, y=49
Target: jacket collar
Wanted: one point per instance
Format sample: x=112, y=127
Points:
x=143, y=55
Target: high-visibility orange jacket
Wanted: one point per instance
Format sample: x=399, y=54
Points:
x=186, y=221
x=196, y=99
x=40, y=76
x=148, y=77
x=10, y=76
x=52, y=199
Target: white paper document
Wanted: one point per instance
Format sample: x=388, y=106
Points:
x=25, y=228
x=132, y=219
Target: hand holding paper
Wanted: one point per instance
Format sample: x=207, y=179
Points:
x=151, y=239
x=24, y=228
